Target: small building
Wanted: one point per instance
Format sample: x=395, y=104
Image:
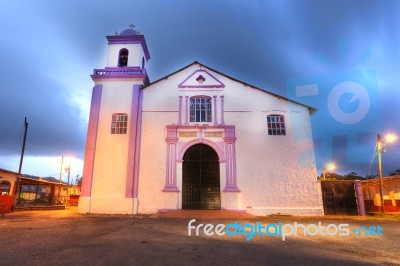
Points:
x=74, y=192
x=391, y=194
x=194, y=139
x=34, y=190
x=7, y=188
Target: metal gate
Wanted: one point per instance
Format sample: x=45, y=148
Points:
x=200, y=178
x=339, y=197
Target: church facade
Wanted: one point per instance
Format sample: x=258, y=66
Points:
x=194, y=139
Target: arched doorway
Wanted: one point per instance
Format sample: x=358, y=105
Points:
x=200, y=178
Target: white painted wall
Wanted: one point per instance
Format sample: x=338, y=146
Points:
x=110, y=164
x=160, y=108
x=275, y=173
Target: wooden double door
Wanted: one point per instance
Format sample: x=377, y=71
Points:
x=200, y=179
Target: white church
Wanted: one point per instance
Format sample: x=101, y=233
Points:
x=194, y=139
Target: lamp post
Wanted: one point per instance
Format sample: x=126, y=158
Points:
x=59, y=186
x=388, y=138
x=331, y=166
x=68, y=170
x=379, y=147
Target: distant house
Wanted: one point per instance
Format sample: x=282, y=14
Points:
x=74, y=193
x=34, y=190
x=7, y=188
x=391, y=194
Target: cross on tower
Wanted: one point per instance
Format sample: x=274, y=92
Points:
x=131, y=25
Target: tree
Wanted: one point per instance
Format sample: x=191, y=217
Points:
x=371, y=176
x=334, y=176
x=330, y=176
x=78, y=180
x=397, y=172
x=352, y=176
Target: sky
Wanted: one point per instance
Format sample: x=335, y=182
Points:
x=341, y=57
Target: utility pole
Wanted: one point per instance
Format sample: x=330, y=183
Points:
x=69, y=172
x=23, y=147
x=379, y=147
x=20, y=166
x=59, y=186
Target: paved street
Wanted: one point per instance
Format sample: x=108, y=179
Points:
x=67, y=238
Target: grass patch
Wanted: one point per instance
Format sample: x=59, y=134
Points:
x=386, y=216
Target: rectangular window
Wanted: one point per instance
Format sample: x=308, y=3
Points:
x=119, y=123
x=200, y=109
x=5, y=188
x=276, y=125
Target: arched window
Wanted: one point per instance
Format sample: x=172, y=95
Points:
x=276, y=125
x=200, y=109
x=123, y=58
x=5, y=188
x=119, y=123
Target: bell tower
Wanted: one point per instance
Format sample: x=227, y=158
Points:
x=111, y=164
x=127, y=49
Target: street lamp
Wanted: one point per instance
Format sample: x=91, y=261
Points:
x=331, y=166
x=68, y=170
x=388, y=138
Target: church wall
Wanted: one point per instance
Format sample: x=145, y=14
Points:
x=110, y=164
x=153, y=161
x=274, y=173
x=160, y=108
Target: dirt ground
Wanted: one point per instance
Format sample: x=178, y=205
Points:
x=67, y=238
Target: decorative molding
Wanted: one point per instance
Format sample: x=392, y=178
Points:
x=214, y=134
x=215, y=110
x=199, y=76
x=180, y=111
x=130, y=39
x=231, y=178
x=274, y=111
x=210, y=143
x=186, y=110
x=160, y=111
x=186, y=134
x=121, y=73
x=238, y=111
x=222, y=110
x=170, y=182
x=176, y=149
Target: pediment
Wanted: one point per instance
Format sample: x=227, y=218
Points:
x=201, y=79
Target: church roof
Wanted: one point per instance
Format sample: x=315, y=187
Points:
x=129, y=31
x=310, y=108
x=8, y=171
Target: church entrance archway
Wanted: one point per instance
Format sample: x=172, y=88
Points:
x=200, y=178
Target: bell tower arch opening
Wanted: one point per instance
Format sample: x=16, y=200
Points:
x=123, y=57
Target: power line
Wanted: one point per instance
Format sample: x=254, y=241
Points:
x=372, y=160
